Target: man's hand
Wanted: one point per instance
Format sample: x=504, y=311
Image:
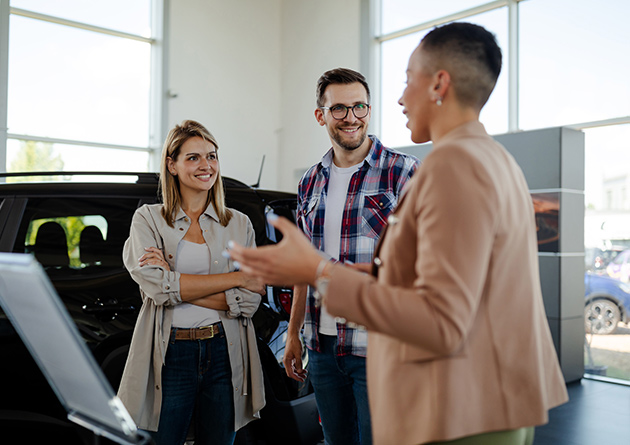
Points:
x=293, y=358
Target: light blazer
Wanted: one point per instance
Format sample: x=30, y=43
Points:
x=458, y=338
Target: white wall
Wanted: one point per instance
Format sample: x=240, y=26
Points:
x=224, y=66
x=247, y=70
x=317, y=36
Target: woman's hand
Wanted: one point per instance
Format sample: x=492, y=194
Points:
x=292, y=261
x=153, y=257
x=252, y=283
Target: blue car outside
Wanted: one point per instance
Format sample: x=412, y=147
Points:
x=607, y=302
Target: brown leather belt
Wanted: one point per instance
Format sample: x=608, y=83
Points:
x=201, y=333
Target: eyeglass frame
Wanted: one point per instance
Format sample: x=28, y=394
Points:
x=347, y=110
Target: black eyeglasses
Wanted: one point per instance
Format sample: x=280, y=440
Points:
x=340, y=112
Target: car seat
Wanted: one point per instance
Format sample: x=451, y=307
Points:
x=51, y=245
x=91, y=246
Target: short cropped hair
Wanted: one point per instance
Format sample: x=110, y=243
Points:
x=339, y=76
x=471, y=56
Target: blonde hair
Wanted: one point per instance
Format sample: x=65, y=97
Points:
x=169, y=184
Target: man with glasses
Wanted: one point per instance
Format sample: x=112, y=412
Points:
x=343, y=204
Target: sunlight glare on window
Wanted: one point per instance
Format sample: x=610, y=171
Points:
x=69, y=83
x=131, y=16
x=401, y=14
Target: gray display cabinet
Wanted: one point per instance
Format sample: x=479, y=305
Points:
x=553, y=162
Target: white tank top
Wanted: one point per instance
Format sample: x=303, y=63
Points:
x=193, y=258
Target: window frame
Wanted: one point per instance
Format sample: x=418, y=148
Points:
x=158, y=79
x=372, y=39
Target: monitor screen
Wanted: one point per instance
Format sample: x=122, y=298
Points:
x=42, y=321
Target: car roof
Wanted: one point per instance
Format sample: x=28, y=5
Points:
x=140, y=184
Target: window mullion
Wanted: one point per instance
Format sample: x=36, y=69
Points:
x=4, y=80
x=513, y=67
x=79, y=25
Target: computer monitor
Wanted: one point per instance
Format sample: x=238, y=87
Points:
x=42, y=321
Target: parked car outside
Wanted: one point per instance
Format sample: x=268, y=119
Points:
x=597, y=259
x=607, y=302
x=619, y=267
x=76, y=230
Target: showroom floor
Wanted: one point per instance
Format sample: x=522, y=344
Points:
x=597, y=413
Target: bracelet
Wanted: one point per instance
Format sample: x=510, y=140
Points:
x=321, y=282
x=320, y=269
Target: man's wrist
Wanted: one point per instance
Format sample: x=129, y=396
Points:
x=292, y=333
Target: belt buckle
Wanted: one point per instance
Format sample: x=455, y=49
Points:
x=212, y=332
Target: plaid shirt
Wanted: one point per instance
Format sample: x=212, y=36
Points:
x=373, y=193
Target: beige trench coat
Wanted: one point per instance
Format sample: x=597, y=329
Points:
x=140, y=387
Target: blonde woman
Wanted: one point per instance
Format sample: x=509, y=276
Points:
x=193, y=351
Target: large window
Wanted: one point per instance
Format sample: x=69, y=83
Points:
x=395, y=55
x=565, y=64
x=81, y=85
x=573, y=61
x=607, y=248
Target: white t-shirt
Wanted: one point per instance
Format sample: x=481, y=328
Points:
x=333, y=217
x=193, y=258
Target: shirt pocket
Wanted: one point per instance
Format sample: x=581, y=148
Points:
x=306, y=215
x=376, y=209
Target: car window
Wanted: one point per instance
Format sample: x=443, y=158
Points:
x=80, y=238
x=621, y=258
x=76, y=235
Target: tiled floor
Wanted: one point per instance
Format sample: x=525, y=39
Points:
x=598, y=413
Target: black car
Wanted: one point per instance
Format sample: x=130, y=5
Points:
x=76, y=229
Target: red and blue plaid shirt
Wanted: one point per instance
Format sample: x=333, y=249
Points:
x=373, y=193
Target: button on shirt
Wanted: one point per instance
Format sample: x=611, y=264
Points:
x=373, y=193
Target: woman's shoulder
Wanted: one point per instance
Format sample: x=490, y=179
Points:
x=150, y=212
x=239, y=217
x=150, y=208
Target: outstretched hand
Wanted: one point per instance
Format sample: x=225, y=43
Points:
x=292, y=261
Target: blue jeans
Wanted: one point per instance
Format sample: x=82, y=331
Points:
x=197, y=380
x=341, y=394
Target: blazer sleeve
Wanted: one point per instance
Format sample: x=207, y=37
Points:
x=242, y=302
x=453, y=204
x=156, y=283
